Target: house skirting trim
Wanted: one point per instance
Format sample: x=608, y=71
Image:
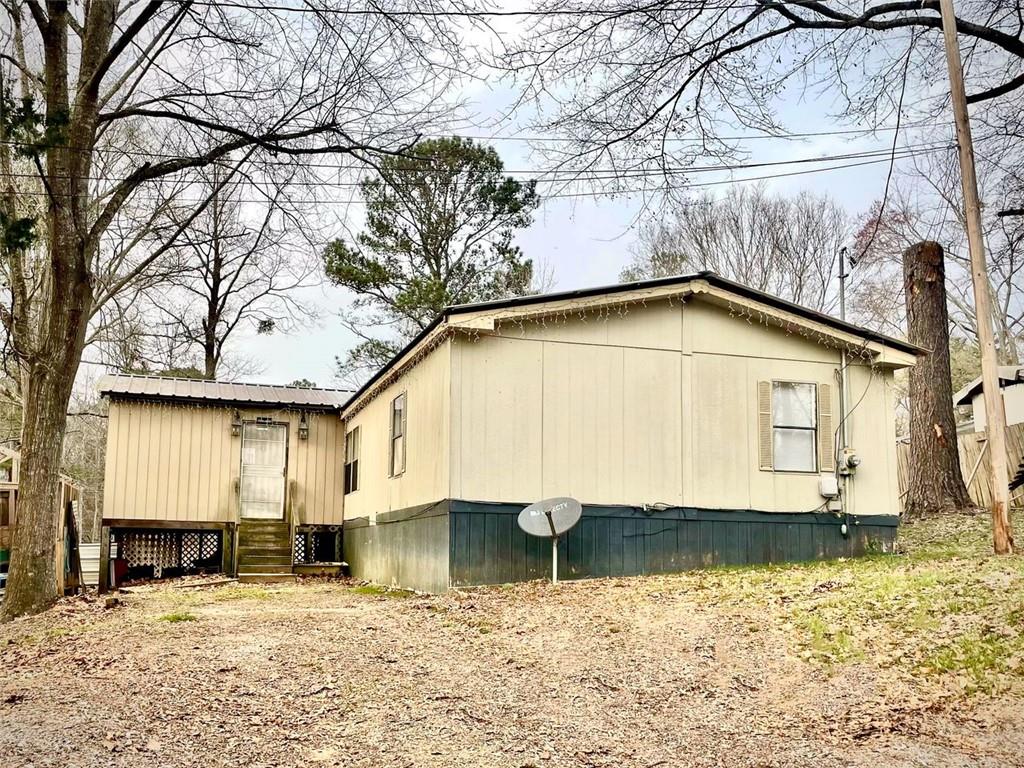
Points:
x=181, y=546
x=455, y=542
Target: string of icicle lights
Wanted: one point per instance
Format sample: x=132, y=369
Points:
x=599, y=311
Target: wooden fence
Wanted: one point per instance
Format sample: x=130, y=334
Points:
x=974, y=462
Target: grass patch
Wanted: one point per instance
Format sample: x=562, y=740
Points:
x=944, y=606
x=225, y=594
x=986, y=661
x=176, y=616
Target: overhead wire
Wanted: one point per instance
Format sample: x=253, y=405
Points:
x=787, y=136
x=597, y=175
x=892, y=164
x=872, y=160
x=455, y=14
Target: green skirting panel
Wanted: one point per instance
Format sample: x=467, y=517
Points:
x=407, y=548
x=487, y=546
x=455, y=543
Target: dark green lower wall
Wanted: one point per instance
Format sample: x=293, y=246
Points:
x=408, y=548
x=462, y=543
x=487, y=546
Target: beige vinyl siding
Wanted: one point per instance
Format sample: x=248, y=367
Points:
x=872, y=434
x=535, y=418
x=181, y=463
x=657, y=406
x=425, y=479
x=713, y=329
x=655, y=326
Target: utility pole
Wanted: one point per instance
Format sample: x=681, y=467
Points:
x=1002, y=537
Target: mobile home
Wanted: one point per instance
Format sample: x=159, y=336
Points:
x=697, y=420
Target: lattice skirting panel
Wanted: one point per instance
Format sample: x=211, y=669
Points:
x=317, y=545
x=180, y=551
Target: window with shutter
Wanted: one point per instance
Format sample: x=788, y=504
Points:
x=826, y=435
x=764, y=423
x=788, y=426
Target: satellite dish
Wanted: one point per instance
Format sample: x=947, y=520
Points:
x=551, y=518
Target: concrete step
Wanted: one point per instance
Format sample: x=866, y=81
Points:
x=268, y=559
x=248, y=568
x=255, y=541
x=281, y=528
x=245, y=550
x=266, y=578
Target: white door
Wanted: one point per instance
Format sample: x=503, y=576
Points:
x=264, y=448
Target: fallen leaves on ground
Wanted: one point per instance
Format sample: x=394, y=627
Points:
x=700, y=669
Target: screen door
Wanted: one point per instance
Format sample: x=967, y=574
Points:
x=263, y=470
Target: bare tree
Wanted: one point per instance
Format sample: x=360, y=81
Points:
x=936, y=214
x=119, y=104
x=241, y=269
x=628, y=78
x=788, y=246
x=644, y=90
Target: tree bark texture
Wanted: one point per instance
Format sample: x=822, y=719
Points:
x=48, y=332
x=935, y=483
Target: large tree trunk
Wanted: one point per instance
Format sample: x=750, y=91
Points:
x=33, y=570
x=935, y=483
x=48, y=329
x=48, y=377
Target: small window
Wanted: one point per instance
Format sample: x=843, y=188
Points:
x=794, y=427
x=352, y=461
x=398, y=423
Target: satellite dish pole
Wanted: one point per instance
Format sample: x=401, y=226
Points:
x=554, y=547
x=551, y=518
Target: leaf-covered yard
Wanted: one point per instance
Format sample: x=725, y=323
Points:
x=914, y=659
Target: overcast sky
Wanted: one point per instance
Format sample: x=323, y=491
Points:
x=586, y=241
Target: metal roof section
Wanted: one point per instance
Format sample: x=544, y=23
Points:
x=140, y=387
x=1008, y=374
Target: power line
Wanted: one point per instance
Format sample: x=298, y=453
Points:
x=605, y=175
x=593, y=193
x=892, y=162
x=569, y=12
x=535, y=140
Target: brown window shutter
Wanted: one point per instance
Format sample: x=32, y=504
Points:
x=764, y=424
x=826, y=434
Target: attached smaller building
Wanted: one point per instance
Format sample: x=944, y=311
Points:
x=203, y=475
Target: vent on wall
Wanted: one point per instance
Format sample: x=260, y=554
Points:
x=264, y=420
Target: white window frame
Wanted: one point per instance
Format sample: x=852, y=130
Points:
x=353, y=438
x=400, y=435
x=790, y=427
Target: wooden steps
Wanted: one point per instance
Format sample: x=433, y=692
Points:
x=264, y=551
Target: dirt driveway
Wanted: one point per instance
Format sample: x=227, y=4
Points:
x=628, y=672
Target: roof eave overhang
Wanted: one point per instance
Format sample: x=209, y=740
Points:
x=882, y=351
x=485, y=318
x=218, y=402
